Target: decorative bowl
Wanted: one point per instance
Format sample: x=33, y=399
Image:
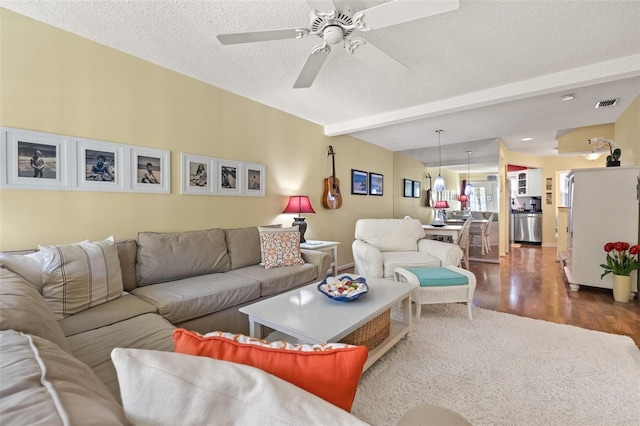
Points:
x=324, y=289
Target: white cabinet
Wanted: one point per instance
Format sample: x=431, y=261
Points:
x=528, y=183
x=534, y=183
x=603, y=207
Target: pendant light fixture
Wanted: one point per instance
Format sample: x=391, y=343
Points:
x=468, y=189
x=439, y=183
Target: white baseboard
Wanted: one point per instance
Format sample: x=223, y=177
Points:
x=343, y=267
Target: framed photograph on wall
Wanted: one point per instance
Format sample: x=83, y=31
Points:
x=150, y=170
x=408, y=187
x=229, y=177
x=101, y=166
x=197, y=176
x=416, y=189
x=359, y=182
x=376, y=184
x=34, y=160
x=255, y=179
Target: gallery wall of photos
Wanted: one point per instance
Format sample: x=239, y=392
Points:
x=217, y=176
x=37, y=160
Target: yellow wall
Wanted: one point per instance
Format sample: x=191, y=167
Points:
x=578, y=140
x=627, y=134
x=55, y=82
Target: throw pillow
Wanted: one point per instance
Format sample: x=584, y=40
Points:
x=330, y=371
x=165, y=389
x=79, y=276
x=28, y=266
x=280, y=247
x=44, y=385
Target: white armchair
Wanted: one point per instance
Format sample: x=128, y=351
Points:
x=382, y=245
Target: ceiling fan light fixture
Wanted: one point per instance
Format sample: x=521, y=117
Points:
x=333, y=34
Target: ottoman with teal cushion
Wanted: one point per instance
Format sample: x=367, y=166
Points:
x=439, y=285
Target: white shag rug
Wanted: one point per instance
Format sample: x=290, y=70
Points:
x=501, y=369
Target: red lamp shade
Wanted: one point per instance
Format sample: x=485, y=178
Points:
x=299, y=204
x=463, y=198
x=442, y=204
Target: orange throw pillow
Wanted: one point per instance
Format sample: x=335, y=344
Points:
x=330, y=371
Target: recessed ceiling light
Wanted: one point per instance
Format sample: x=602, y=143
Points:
x=526, y=139
x=568, y=97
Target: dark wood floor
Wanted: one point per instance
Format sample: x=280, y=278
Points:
x=529, y=282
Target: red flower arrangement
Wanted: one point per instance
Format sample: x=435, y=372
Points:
x=622, y=259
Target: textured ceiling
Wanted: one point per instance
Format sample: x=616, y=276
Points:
x=490, y=69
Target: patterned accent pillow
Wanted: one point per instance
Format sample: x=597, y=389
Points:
x=281, y=249
x=79, y=276
x=331, y=371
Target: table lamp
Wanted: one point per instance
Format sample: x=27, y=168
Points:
x=440, y=206
x=299, y=204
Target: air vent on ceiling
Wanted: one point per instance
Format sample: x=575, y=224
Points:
x=607, y=103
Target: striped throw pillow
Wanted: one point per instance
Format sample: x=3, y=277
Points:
x=79, y=276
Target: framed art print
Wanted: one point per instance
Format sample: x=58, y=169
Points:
x=197, y=174
x=416, y=189
x=359, y=182
x=376, y=184
x=150, y=170
x=254, y=178
x=408, y=187
x=34, y=160
x=229, y=177
x=100, y=166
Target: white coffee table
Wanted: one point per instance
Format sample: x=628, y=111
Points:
x=311, y=317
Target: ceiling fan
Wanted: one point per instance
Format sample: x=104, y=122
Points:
x=334, y=23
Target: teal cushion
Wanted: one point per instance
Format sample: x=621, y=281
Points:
x=438, y=277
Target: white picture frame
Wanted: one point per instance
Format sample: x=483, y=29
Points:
x=150, y=170
x=229, y=177
x=24, y=169
x=199, y=175
x=254, y=180
x=101, y=166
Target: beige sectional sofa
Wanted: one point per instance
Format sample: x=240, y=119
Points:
x=196, y=280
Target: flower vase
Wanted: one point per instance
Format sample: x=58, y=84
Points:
x=621, y=288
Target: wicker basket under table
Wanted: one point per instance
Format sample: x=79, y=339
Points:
x=372, y=333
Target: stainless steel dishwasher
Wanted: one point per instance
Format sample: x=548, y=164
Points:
x=527, y=228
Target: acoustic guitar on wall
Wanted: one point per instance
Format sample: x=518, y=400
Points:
x=332, y=198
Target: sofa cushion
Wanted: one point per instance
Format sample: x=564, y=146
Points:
x=276, y=280
x=390, y=234
x=78, y=276
x=27, y=265
x=330, y=371
x=190, y=253
x=194, y=297
x=167, y=389
x=391, y=260
x=127, y=252
x=125, y=307
x=43, y=385
x=243, y=245
x=23, y=308
x=93, y=347
x=280, y=249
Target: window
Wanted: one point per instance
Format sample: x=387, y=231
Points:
x=478, y=199
x=563, y=189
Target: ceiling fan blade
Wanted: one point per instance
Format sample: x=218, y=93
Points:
x=321, y=5
x=401, y=11
x=370, y=55
x=312, y=67
x=255, y=36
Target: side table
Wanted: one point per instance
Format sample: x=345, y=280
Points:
x=330, y=247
